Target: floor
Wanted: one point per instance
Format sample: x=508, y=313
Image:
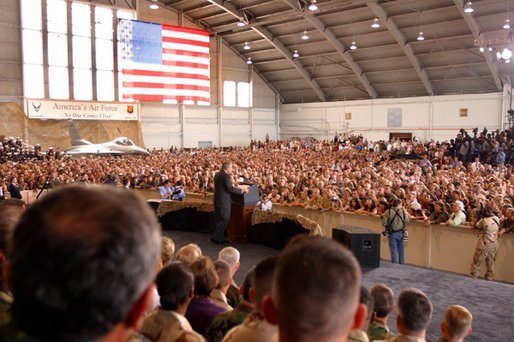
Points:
x=489, y=302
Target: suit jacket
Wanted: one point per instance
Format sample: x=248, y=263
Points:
x=223, y=189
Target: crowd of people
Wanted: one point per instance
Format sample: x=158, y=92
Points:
x=352, y=175
x=79, y=272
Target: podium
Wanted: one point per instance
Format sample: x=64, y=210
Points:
x=241, y=214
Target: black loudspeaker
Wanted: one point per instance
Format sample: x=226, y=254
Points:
x=364, y=244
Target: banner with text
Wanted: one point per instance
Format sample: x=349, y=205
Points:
x=76, y=110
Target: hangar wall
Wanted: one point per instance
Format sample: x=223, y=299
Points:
x=437, y=117
x=11, y=86
x=165, y=125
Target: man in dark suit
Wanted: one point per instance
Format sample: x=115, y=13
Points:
x=223, y=189
x=14, y=189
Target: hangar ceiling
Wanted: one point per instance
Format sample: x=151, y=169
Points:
x=389, y=60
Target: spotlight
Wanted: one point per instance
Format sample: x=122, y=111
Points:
x=375, y=23
x=247, y=46
x=482, y=49
x=468, y=7
x=296, y=54
x=420, y=36
x=353, y=46
x=305, y=36
x=313, y=7
x=249, y=61
x=506, y=25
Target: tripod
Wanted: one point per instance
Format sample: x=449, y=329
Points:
x=46, y=187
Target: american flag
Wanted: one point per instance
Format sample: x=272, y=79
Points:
x=163, y=63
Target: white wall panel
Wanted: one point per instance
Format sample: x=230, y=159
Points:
x=426, y=117
x=197, y=132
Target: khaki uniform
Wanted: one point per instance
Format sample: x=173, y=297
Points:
x=487, y=246
x=168, y=326
x=357, y=335
x=255, y=328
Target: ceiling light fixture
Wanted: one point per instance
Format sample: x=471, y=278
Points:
x=247, y=46
x=375, y=23
x=249, y=61
x=353, y=46
x=482, y=49
x=490, y=49
x=305, y=36
x=468, y=7
x=241, y=23
x=296, y=54
x=506, y=54
x=420, y=36
x=313, y=7
x=153, y=5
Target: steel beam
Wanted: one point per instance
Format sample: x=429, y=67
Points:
x=475, y=29
x=337, y=45
x=392, y=27
x=230, y=8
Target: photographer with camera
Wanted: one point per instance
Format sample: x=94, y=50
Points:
x=394, y=222
x=177, y=192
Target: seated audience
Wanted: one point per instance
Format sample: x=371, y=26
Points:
x=167, y=323
x=383, y=304
x=10, y=211
x=457, y=217
x=87, y=238
x=265, y=203
x=202, y=310
x=326, y=305
x=231, y=256
x=218, y=294
x=189, y=253
x=226, y=321
x=456, y=324
x=167, y=250
x=255, y=327
x=414, y=315
x=165, y=190
x=359, y=334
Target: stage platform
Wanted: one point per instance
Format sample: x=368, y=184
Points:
x=489, y=302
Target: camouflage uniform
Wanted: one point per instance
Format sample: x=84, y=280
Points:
x=233, y=296
x=167, y=326
x=226, y=321
x=378, y=330
x=487, y=246
x=508, y=225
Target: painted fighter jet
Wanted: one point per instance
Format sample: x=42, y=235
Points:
x=118, y=146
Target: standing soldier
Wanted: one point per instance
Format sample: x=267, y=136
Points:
x=487, y=246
